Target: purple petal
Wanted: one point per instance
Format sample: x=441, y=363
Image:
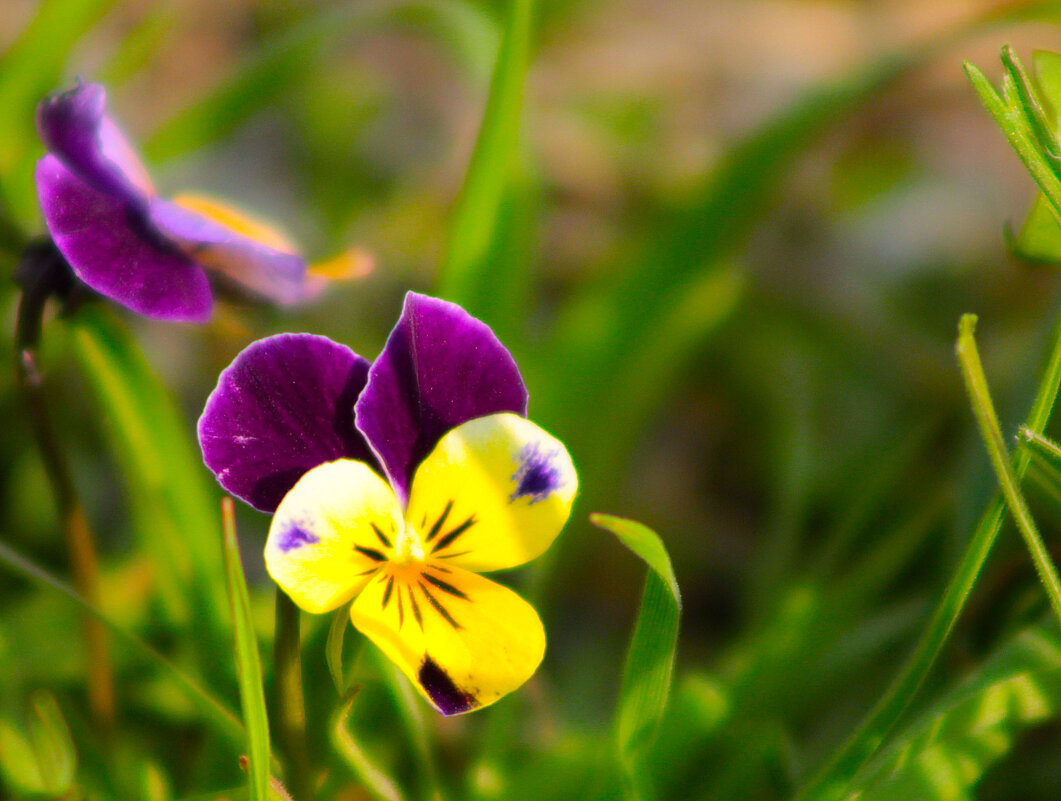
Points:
x=440, y=367
x=74, y=127
x=250, y=265
x=111, y=248
x=284, y=406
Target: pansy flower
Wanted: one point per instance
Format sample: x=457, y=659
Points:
x=157, y=257
x=395, y=485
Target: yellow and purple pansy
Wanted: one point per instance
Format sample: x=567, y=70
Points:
x=160, y=258
x=394, y=485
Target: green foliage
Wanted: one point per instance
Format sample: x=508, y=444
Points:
x=248, y=661
x=744, y=335
x=650, y=657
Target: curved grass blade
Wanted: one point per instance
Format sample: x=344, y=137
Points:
x=946, y=751
x=984, y=409
x=489, y=179
x=375, y=781
x=227, y=723
x=650, y=657
x=248, y=660
x=333, y=648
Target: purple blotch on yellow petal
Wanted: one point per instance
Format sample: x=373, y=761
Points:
x=447, y=696
x=295, y=536
x=536, y=476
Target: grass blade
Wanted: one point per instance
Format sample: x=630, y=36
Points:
x=832, y=780
x=650, y=657
x=489, y=177
x=984, y=409
x=248, y=660
x=227, y=721
x=173, y=501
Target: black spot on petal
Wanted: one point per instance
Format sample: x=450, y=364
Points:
x=447, y=696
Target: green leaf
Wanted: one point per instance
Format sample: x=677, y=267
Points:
x=248, y=660
x=1048, y=77
x=1013, y=118
x=489, y=178
x=947, y=750
x=650, y=657
x=173, y=501
x=333, y=648
x=52, y=743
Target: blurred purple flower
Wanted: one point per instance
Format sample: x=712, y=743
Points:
x=160, y=258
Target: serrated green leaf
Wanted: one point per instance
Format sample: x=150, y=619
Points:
x=248, y=660
x=947, y=750
x=650, y=656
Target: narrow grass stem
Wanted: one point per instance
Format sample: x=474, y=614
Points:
x=42, y=270
x=290, y=700
x=984, y=409
x=831, y=781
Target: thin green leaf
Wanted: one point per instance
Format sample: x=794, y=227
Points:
x=650, y=657
x=1048, y=77
x=490, y=172
x=1011, y=119
x=378, y=783
x=228, y=722
x=52, y=743
x=333, y=648
x=1028, y=101
x=173, y=501
x=984, y=410
x=248, y=660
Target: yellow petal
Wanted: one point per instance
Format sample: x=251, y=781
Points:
x=236, y=219
x=463, y=640
x=332, y=531
x=493, y=494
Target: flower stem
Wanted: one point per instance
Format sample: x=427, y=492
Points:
x=984, y=409
x=42, y=273
x=290, y=702
x=834, y=779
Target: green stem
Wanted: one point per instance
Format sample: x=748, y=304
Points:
x=290, y=701
x=832, y=780
x=984, y=409
x=43, y=273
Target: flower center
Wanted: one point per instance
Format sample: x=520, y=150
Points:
x=408, y=547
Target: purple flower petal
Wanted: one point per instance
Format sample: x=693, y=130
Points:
x=74, y=127
x=251, y=265
x=110, y=248
x=284, y=406
x=440, y=367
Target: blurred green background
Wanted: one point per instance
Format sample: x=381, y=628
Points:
x=730, y=252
